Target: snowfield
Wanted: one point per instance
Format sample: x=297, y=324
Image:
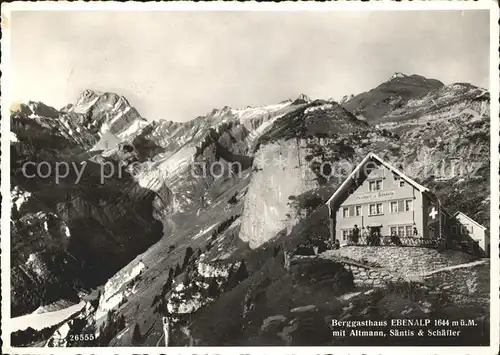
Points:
x=38, y=321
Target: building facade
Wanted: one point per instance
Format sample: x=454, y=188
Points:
x=378, y=196
x=475, y=230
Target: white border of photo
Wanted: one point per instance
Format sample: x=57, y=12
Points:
x=6, y=63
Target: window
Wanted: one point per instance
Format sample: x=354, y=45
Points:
x=345, y=234
x=376, y=209
x=402, y=231
x=401, y=183
x=466, y=229
x=351, y=211
x=401, y=205
x=375, y=185
x=369, y=168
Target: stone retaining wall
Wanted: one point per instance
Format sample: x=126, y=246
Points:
x=370, y=277
x=404, y=262
x=375, y=266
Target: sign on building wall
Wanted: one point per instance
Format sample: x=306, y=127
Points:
x=375, y=196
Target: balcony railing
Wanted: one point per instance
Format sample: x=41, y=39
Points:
x=395, y=241
x=465, y=246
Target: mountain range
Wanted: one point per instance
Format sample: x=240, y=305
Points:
x=208, y=208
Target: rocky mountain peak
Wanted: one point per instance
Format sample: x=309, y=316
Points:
x=392, y=95
x=35, y=108
x=92, y=99
x=89, y=94
x=397, y=75
x=106, y=114
x=301, y=99
x=304, y=97
x=220, y=112
x=345, y=98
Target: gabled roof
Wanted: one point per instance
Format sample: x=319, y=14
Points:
x=369, y=156
x=469, y=219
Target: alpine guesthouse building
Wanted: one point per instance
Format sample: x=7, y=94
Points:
x=378, y=197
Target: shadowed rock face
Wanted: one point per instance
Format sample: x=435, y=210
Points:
x=67, y=236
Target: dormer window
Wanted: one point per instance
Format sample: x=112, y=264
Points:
x=399, y=181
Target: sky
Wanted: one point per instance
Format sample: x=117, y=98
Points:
x=179, y=65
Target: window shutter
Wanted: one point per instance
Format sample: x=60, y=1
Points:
x=351, y=211
x=401, y=206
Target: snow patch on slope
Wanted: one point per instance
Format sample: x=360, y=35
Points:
x=208, y=270
x=254, y=112
x=111, y=298
x=39, y=321
x=155, y=175
x=18, y=197
x=204, y=231
x=134, y=128
x=36, y=265
x=13, y=138
x=397, y=75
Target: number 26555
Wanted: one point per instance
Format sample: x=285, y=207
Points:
x=81, y=337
